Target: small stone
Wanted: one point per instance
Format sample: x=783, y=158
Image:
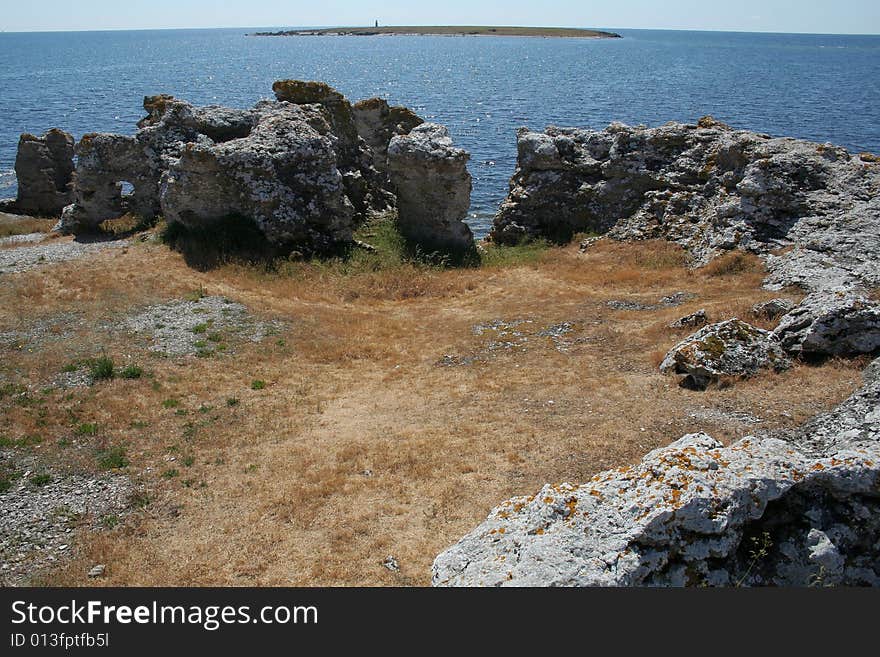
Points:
x=691, y=321
x=97, y=571
x=391, y=564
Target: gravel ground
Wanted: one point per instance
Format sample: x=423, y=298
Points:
x=29, y=335
x=516, y=335
x=22, y=239
x=670, y=301
x=39, y=519
x=23, y=258
x=198, y=327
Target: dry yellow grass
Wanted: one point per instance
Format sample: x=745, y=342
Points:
x=360, y=445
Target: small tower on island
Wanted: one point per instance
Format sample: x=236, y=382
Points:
x=377, y=23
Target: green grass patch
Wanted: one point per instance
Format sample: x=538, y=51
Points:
x=132, y=372
x=40, y=480
x=24, y=441
x=258, y=384
x=171, y=402
x=86, y=429
x=112, y=458
x=101, y=368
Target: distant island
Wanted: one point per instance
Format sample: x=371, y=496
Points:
x=450, y=30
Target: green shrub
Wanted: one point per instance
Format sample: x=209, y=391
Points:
x=257, y=384
x=171, y=402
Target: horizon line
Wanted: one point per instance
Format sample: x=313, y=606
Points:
x=310, y=27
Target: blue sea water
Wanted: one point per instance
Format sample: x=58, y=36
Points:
x=823, y=88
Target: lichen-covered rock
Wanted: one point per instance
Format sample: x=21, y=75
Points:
x=433, y=188
x=871, y=373
x=728, y=349
x=772, y=309
x=764, y=511
x=691, y=321
x=105, y=162
x=831, y=323
x=707, y=187
x=377, y=123
x=363, y=168
x=297, y=167
x=283, y=175
x=44, y=169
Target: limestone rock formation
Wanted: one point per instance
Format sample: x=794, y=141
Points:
x=832, y=323
x=283, y=175
x=377, y=123
x=730, y=348
x=697, y=513
x=106, y=161
x=433, y=188
x=360, y=148
x=44, y=169
x=707, y=187
x=297, y=167
x=772, y=309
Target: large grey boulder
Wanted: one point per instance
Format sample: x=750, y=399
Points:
x=811, y=210
x=44, y=169
x=831, y=323
x=728, y=349
x=433, y=188
x=283, y=175
x=797, y=510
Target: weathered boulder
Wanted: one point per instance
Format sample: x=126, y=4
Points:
x=772, y=309
x=433, y=188
x=798, y=510
x=283, y=175
x=361, y=158
x=377, y=123
x=871, y=373
x=831, y=323
x=728, y=349
x=105, y=162
x=707, y=187
x=44, y=169
x=691, y=321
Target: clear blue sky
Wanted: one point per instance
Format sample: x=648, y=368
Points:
x=825, y=16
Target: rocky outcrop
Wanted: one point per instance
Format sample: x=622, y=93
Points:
x=283, y=176
x=772, y=309
x=297, y=167
x=797, y=510
x=433, y=188
x=378, y=123
x=106, y=162
x=812, y=210
x=44, y=169
x=728, y=349
x=833, y=323
x=363, y=132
